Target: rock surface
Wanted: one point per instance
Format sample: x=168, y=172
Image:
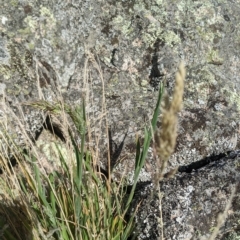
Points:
x=115, y=53
x=191, y=203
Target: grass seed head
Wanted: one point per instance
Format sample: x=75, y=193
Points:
x=166, y=140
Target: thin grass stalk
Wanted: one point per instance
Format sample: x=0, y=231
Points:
x=141, y=155
x=222, y=216
x=165, y=141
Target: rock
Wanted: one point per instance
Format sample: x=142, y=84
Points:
x=115, y=54
x=191, y=204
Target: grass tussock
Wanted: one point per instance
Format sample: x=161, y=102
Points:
x=72, y=202
x=76, y=200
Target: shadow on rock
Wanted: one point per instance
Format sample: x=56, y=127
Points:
x=14, y=220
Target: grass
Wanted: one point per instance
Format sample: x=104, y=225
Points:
x=70, y=203
x=76, y=200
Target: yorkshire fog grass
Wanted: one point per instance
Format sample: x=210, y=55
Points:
x=76, y=201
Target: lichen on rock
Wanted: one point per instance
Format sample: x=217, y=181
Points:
x=78, y=48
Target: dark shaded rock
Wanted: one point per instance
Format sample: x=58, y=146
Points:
x=191, y=203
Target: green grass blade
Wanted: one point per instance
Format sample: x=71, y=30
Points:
x=157, y=108
x=141, y=155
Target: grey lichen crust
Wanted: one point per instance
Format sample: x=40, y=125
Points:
x=191, y=204
x=25, y=80
x=116, y=53
x=137, y=44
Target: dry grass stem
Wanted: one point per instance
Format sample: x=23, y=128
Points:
x=166, y=139
x=222, y=216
